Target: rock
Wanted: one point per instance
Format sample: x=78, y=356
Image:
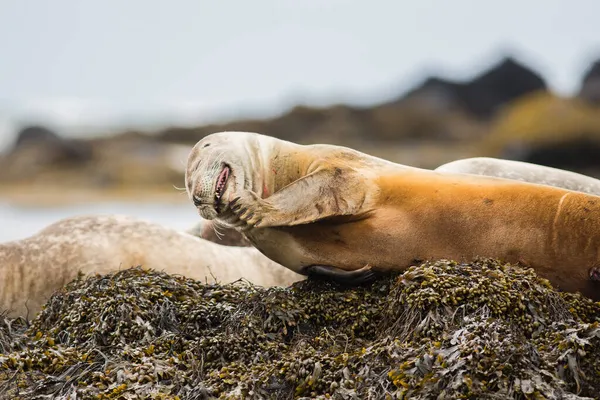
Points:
x=345, y=125
x=485, y=94
x=418, y=120
x=590, y=84
x=507, y=81
x=437, y=93
x=577, y=155
x=35, y=134
x=546, y=129
x=42, y=146
x=300, y=124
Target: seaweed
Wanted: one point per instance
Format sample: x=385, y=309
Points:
x=484, y=329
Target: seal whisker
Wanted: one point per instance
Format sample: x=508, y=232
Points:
x=220, y=235
x=215, y=228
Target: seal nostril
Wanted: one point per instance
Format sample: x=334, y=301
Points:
x=196, y=200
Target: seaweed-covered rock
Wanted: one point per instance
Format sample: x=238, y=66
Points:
x=444, y=330
x=546, y=129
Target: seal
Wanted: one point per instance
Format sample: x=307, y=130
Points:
x=336, y=212
x=34, y=267
x=223, y=235
x=525, y=172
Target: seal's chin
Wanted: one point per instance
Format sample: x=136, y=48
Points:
x=220, y=186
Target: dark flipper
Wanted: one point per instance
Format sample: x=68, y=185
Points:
x=338, y=275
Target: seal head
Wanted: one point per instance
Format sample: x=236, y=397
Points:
x=222, y=165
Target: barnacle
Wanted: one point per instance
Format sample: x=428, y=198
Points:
x=442, y=329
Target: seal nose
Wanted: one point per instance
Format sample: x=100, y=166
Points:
x=197, y=201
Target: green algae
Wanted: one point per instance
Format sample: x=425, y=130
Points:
x=485, y=330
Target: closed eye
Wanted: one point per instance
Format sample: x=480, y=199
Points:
x=198, y=202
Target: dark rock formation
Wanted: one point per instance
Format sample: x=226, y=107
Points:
x=590, y=85
x=38, y=150
x=50, y=147
x=36, y=134
x=503, y=83
x=482, y=96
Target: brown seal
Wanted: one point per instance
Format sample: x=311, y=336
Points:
x=523, y=171
x=330, y=210
x=34, y=267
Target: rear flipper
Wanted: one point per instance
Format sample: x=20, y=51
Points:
x=338, y=275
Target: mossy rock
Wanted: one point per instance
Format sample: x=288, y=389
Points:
x=542, y=118
x=485, y=330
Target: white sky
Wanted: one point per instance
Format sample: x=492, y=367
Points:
x=75, y=63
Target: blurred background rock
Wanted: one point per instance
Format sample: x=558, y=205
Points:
x=101, y=102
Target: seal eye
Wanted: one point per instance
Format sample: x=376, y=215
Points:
x=196, y=200
x=206, y=145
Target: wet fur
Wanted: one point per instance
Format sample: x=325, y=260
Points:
x=388, y=215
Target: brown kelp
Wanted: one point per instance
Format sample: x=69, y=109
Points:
x=442, y=329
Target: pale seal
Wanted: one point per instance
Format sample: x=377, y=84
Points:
x=31, y=269
x=330, y=210
x=523, y=171
x=208, y=230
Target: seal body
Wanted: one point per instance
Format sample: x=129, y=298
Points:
x=330, y=208
x=33, y=268
x=525, y=172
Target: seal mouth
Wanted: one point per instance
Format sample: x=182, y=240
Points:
x=220, y=185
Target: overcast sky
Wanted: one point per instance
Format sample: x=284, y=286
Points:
x=79, y=62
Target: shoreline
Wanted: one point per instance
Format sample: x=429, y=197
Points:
x=52, y=196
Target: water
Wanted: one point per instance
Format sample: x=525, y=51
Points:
x=19, y=222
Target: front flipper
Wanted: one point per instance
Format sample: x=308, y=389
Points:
x=338, y=275
x=252, y=210
x=325, y=192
